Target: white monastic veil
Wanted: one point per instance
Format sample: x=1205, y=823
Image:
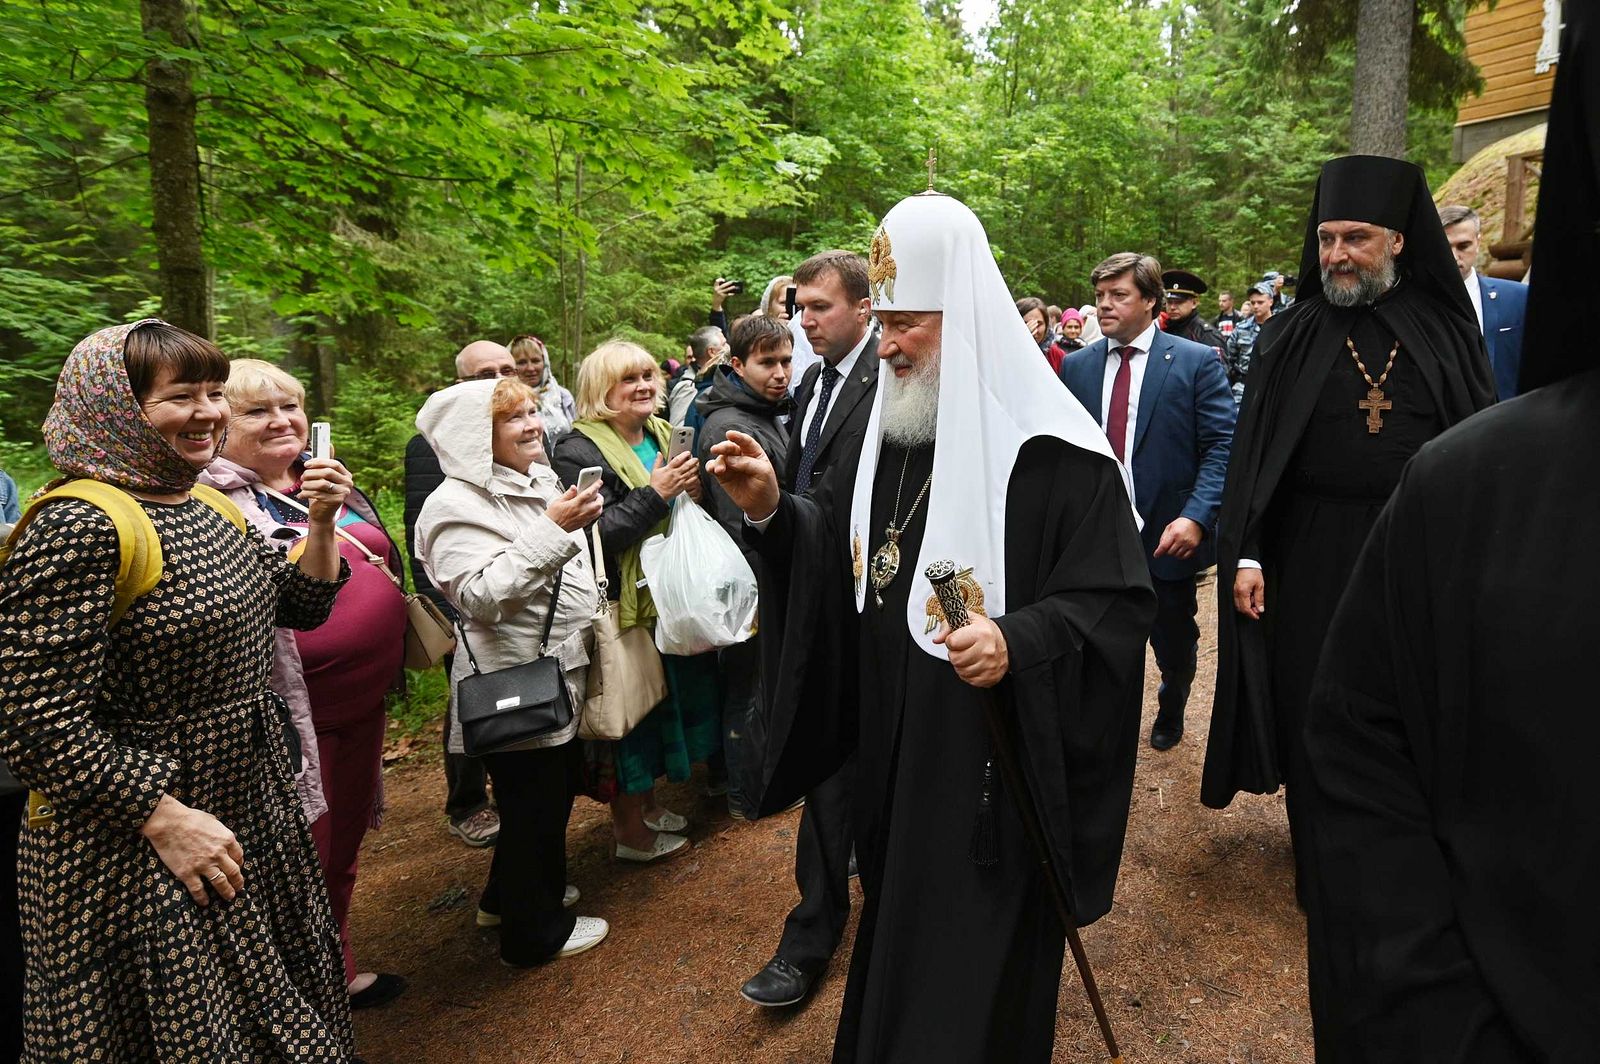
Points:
x=995, y=394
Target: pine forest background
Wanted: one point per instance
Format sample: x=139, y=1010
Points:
x=380, y=183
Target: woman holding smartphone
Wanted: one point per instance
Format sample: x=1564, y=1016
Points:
x=506, y=545
x=619, y=395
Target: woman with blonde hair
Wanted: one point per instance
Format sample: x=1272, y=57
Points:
x=619, y=430
x=343, y=670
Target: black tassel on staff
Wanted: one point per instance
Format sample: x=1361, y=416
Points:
x=942, y=575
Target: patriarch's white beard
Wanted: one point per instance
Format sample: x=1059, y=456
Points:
x=910, y=404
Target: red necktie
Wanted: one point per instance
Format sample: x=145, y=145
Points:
x=1117, y=416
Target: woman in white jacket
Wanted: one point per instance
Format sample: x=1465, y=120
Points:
x=493, y=537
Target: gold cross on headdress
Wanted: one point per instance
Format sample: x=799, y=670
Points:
x=933, y=161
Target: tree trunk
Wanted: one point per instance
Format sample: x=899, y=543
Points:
x=1382, y=79
x=174, y=170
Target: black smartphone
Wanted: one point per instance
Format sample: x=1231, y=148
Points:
x=790, y=296
x=738, y=288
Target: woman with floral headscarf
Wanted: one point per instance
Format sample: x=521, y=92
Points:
x=174, y=908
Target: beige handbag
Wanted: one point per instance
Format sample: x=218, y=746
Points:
x=429, y=633
x=626, y=680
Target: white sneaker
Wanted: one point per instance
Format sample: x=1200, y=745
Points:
x=676, y=823
x=588, y=933
x=665, y=845
x=569, y=898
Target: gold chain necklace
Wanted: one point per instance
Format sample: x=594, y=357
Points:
x=886, y=559
x=1374, y=404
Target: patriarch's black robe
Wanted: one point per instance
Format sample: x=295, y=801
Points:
x=1456, y=839
x=954, y=962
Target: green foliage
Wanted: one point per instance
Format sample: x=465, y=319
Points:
x=384, y=183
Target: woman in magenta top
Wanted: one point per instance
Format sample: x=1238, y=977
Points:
x=349, y=663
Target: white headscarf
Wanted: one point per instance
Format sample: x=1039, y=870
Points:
x=995, y=394
x=1091, y=324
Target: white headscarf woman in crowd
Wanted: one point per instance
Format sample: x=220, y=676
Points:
x=557, y=409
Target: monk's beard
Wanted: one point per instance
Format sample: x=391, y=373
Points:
x=911, y=404
x=1370, y=283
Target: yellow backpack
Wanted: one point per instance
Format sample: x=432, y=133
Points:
x=139, y=565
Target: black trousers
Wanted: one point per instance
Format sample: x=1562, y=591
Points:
x=1175, y=638
x=528, y=875
x=12, y=808
x=822, y=872
x=466, y=788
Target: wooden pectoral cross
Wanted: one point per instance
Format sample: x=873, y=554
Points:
x=1375, y=404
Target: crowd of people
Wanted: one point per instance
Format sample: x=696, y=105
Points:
x=962, y=549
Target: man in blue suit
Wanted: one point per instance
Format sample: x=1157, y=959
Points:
x=1166, y=407
x=1500, y=304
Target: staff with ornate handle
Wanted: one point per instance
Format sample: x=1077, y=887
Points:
x=942, y=575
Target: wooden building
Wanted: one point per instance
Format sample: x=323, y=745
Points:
x=1515, y=45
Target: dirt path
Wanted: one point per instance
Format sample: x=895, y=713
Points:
x=1203, y=958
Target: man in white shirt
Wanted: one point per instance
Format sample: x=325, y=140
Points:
x=1165, y=406
x=1500, y=305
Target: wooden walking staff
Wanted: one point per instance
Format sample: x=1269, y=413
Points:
x=942, y=575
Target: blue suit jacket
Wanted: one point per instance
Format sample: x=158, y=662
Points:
x=1180, y=441
x=1504, y=304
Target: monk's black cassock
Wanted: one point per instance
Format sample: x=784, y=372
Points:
x=954, y=962
x=1307, y=479
x=1449, y=739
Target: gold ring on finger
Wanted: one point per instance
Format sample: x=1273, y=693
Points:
x=218, y=878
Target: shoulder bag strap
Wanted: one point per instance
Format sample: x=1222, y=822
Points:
x=372, y=558
x=550, y=614
x=597, y=550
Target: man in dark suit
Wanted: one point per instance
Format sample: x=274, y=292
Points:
x=1165, y=404
x=1500, y=304
x=832, y=405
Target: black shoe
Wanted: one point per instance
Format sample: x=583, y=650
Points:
x=383, y=990
x=1165, y=738
x=779, y=983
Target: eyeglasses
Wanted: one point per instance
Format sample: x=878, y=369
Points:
x=490, y=374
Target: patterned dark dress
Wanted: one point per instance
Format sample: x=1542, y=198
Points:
x=123, y=964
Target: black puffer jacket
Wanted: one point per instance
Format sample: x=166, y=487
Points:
x=630, y=513
x=423, y=475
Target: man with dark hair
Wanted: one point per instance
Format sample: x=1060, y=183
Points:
x=468, y=813
x=706, y=348
x=749, y=394
x=832, y=404
x=1499, y=304
x=1380, y=353
x=1164, y=403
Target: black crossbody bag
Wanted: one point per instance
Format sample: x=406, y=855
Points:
x=506, y=707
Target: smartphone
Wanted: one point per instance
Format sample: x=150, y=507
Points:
x=791, y=300
x=321, y=440
x=737, y=288
x=682, y=440
x=587, y=477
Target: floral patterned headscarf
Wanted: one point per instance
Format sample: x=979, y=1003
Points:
x=96, y=428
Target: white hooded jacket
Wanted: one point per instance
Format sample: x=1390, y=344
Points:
x=485, y=541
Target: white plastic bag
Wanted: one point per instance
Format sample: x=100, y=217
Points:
x=704, y=591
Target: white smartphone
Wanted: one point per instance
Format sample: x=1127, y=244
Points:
x=587, y=477
x=682, y=440
x=321, y=440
